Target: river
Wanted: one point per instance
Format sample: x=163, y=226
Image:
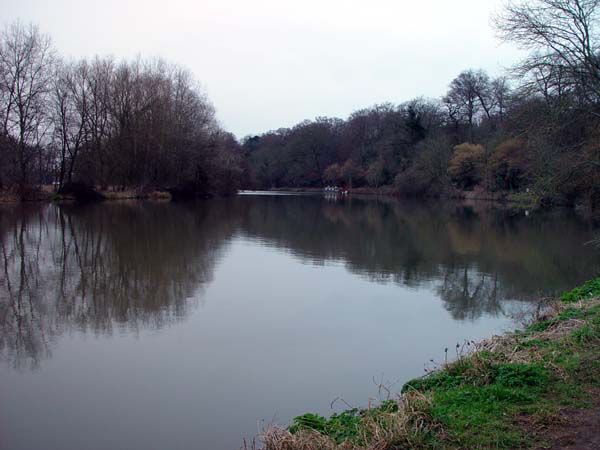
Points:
x=149, y=325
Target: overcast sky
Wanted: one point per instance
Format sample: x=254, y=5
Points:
x=267, y=64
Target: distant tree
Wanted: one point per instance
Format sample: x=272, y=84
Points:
x=427, y=117
x=226, y=167
x=310, y=147
x=468, y=94
x=413, y=123
x=97, y=164
x=268, y=161
x=431, y=164
x=372, y=131
x=350, y=172
x=500, y=90
x=332, y=174
x=375, y=173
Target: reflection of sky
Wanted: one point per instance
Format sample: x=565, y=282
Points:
x=276, y=337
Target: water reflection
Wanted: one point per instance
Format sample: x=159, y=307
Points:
x=476, y=256
x=99, y=267
x=133, y=265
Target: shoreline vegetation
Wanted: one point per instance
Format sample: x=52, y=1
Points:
x=530, y=134
x=48, y=193
x=86, y=194
x=524, y=199
x=81, y=191
x=535, y=388
x=77, y=192
x=99, y=123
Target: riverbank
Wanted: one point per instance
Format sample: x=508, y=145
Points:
x=538, y=388
x=384, y=190
x=48, y=193
x=522, y=199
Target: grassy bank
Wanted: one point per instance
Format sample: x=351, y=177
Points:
x=518, y=390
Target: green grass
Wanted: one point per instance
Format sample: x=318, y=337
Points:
x=586, y=290
x=342, y=426
x=475, y=417
x=485, y=400
x=473, y=401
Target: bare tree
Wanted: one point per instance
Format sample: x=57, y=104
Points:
x=70, y=114
x=98, y=85
x=27, y=60
x=501, y=93
x=563, y=40
x=469, y=94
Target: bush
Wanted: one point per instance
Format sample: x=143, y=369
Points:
x=375, y=173
x=351, y=173
x=412, y=182
x=467, y=165
x=82, y=192
x=509, y=165
x=331, y=174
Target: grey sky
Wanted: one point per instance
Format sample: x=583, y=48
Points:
x=267, y=64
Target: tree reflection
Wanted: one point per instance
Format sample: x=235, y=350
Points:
x=23, y=331
x=144, y=265
x=475, y=257
x=93, y=268
x=468, y=294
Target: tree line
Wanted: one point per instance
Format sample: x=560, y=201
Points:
x=532, y=132
x=105, y=123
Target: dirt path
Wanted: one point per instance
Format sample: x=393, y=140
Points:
x=574, y=430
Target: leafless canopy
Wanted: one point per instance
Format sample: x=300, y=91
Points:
x=564, y=42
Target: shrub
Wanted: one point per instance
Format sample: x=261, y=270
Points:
x=467, y=165
x=375, y=173
x=509, y=165
x=308, y=421
x=412, y=182
x=331, y=175
x=351, y=173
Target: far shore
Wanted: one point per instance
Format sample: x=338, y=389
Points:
x=49, y=193
x=518, y=199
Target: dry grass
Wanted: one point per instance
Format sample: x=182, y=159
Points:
x=511, y=344
x=136, y=193
x=160, y=195
x=28, y=194
x=403, y=428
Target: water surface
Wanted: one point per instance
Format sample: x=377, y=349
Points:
x=191, y=326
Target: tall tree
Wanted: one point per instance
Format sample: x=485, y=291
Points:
x=70, y=115
x=563, y=38
x=468, y=95
x=27, y=60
